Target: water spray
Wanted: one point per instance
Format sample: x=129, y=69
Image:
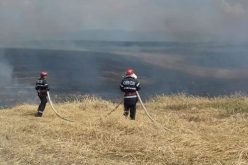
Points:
x=51, y=103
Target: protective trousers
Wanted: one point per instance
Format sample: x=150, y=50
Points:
x=42, y=106
x=130, y=106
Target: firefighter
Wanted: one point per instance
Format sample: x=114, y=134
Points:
x=42, y=88
x=129, y=85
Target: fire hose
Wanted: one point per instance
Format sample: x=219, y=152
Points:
x=51, y=103
x=114, y=108
x=149, y=116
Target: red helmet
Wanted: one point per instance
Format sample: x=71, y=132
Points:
x=129, y=72
x=43, y=74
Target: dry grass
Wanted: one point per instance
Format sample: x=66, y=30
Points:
x=207, y=131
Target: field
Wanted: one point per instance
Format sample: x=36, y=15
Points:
x=96, y=68
x=202, y=131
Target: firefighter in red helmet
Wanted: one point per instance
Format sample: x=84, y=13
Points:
x=42, y=88
x=129, y=85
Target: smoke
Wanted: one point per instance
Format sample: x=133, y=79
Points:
x=237, y=8
x=165, y=20
x=39, y=23
x=6, y=71
x=232, y=17
x=12, y=91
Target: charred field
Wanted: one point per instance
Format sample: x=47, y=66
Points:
x=96, y=68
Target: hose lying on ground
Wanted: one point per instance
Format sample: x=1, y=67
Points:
x=115, y=108
x=155, y=122
x=51, y=103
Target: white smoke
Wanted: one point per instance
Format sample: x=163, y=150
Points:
x=231, y=21
x=12, y=90
x=6, y=71
x=237, y=8
x=147, y=20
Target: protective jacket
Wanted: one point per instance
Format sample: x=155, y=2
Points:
x=42, y=87
x=129, y=85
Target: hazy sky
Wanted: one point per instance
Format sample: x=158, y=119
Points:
x=178, y=20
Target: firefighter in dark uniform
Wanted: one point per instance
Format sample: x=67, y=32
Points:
x=129, y=85
x=42, y=88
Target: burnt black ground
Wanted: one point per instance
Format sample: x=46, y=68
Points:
x=98, y=72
